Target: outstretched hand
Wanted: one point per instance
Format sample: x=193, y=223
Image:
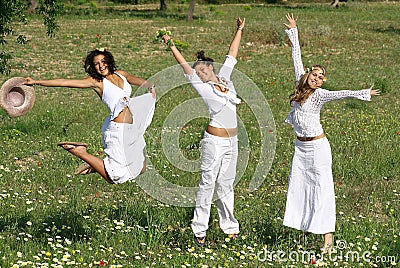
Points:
x=166, y=38
x=374, y=92
x=29, y=81
x=240, y=23
x=291, y=20
x=152, y=90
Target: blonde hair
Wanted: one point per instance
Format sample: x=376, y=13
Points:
x=302, y=90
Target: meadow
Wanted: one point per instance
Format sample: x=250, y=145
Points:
x=51, y=218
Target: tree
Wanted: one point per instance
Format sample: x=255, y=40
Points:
x=191, y=10
x=15, y=11
x=163, y=4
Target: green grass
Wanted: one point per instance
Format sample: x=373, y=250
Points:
x=51, y=217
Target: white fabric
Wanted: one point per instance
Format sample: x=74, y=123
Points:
x=218, y=165
x=124, y=144
x=221, y=106
x=293, y=35
x=310, y=204
x=114, y=97
x=305, y=118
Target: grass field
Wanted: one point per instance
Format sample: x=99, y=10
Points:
x=48, y=217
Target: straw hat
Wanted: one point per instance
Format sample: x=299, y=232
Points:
x=16, y=98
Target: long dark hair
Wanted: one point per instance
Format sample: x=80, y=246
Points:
x=302, y=90
x=89, y=65
x=202, y=59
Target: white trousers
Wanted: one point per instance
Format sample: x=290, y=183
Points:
x=218, y=165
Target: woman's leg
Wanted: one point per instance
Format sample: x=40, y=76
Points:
x=224, y=188
x=328, y=240
x=328, y=243
x=95, y=162
x=209, y=166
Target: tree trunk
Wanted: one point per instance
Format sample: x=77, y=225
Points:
x=191, y=10
x=163, y=4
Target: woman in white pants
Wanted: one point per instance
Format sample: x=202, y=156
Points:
x=310, y=204
x=219, y=144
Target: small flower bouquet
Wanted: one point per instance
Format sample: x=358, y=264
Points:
x=160, y=33
x=171, y=42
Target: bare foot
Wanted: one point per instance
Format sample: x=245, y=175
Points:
x=84, y=169
x=73, y=147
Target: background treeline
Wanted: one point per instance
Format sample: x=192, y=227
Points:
x=215, y=2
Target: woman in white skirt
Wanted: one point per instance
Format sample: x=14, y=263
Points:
x=220, y=143
x=123, y=130
x=310, y=204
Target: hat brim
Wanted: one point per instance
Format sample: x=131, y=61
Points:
x=16, y=98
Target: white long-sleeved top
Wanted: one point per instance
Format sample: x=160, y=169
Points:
x=305, y=118
x=221, y=106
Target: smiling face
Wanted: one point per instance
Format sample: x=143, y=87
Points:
x=100, y=64
x=205, y=72
x=316, y=78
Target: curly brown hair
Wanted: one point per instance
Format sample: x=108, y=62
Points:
x=89, y=64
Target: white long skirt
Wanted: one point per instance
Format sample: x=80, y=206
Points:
x=124, y=144
x=310, y=204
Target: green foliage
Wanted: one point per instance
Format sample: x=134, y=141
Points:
x=50, y=9
x=180, y=45
x=177, y=43
x=14, y=11
x=4, y=62
x=247, y=8
x=10, y=12
x=383, y=85
x=93, y=6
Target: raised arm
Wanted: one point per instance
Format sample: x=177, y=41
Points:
x=178, y=56
x=73, y=83
x=234, y=47
x=292, y=33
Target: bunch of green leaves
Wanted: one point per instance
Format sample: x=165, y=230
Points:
x=171, y=42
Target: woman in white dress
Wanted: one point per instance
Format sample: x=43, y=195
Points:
x=123, y=130
x=310, y=204
x=220, y=143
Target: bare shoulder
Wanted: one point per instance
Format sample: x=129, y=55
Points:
x=122, y=72
x=96, y=85
x=91, y=82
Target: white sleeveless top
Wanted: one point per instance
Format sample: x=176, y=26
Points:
x=114, y=97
